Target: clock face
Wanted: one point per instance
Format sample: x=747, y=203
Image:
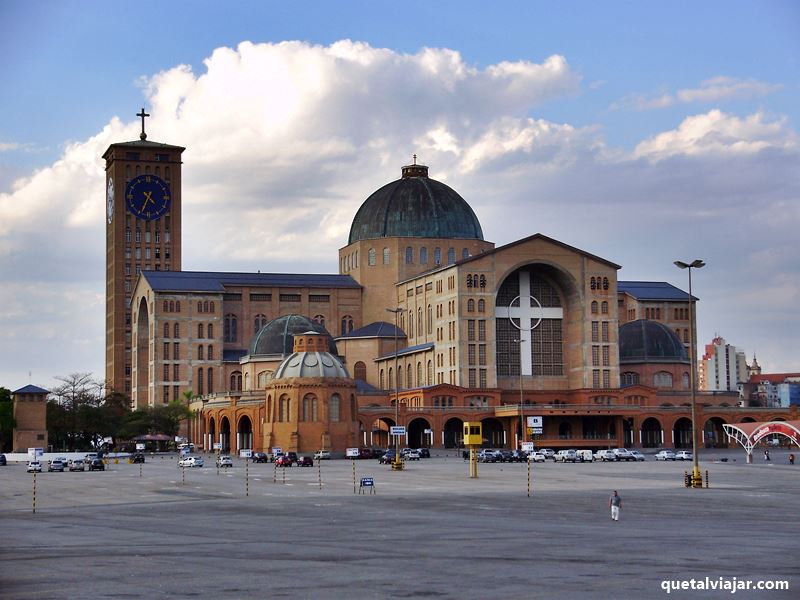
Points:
x=110, y=200
x=148, y=197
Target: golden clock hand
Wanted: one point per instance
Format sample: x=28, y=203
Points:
x=148, y=197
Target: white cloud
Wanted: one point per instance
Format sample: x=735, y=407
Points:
x=715, y=89
x=284, y=141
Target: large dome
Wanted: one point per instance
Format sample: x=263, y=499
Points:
x=311, y=364
x=415, y=206
x=649, y=341
x=277, y=336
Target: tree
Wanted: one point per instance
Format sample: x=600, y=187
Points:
x=7, y=422
x=75, y=399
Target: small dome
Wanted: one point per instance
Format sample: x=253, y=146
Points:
x=277, y=336
x=415, y=206
x=648, y=341
x=311, y=364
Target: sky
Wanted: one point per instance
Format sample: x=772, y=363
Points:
x=641, y=132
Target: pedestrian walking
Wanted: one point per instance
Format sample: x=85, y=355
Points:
x=766, y=456
x=791, y=459
x=615, y=502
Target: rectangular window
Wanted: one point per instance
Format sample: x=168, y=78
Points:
x=165, y=399
x=319, y=298
x=127, y=268
x=595, y=356
x=605, y=331
x=606, y=378
x=176, y=371
x=481, y=331
x=127, y=252
x=166, y=372
x=471, y=354
x=147, y=236
x=606, y=356
x=596, y=379
x=471, y=330
x=176, y=392
x=482, y=354
x=176, y=346
x=158, y=236
x=166, y=350
x=595, y=331
x=483, y=378
x=472, y=378
x=147, y=253
x=290, y=298
x=260, y=297
x=138, y=254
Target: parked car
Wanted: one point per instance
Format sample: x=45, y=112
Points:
x=684, y=455
x=487, y=456
x=305, y=461
x=3, y=462
x=260, y=457
x=55, y=465
x=90, y=457
x=34, y=466
x=137, y=458
x=283, y=461
x=605, y=456
x=388, y=457
x=190, y=461
x=566, y=456
x=292, y=456
x=665, y=455
x=412, y=455
x=623, y=454
x=76, y=465
x=548, y=453
x=505, y=455
x=365, y=453
x=537, y=456
x=225, y=461
x=637, y=455
x=424, y=452
x=584, y=455
x=97, y=464
x=322, y=455
x=519, y=455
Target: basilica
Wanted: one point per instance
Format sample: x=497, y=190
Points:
x=427, y=325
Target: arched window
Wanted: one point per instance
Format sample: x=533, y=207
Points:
x=662, y=379
x=205, y=306
x=261, y=379
x=686, y=382
x=200, y=352
x=409, y=255
x=258, y=322
x=166, y=306
x=166, y=330
x=594, y=307
x=210, y=331
x=247, y=381
x=419, y=321
x=420, y=382
x=437, y=256
x=309, y=408
x=335, y=407
x=399, y=377
x=199, y=306
x=360, y=371
x=284, y=409
x=320, y=319
x=470, y=305
x=430, y=319
x=604, y=308
x=176, y=330
x=430, y=372
x=211, y=307
x=382, y=380
x=386, y=256
x=236, y=381
x=200, y=330
x=200, y=381
x=371, y=257
x=409, y=380
x=411, y=323
x=347, y=324
x=629, y=378
x=451, y=256
x=178, y=306
x=231, y=333
x=210, y=352
x=210, y=380
x=481, y=305
x=423, y=256
x=464, y=253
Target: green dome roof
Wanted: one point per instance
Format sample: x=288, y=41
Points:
x=277, y=336
x=415, y=206
x=645, y=341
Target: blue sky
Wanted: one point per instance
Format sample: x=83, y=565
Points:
x=655, y=104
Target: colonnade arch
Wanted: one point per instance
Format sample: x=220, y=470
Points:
x=652, y=433
x=244, y=434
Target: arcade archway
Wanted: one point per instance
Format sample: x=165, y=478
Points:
x=453, y=433
x=244, y=434
x=682, y=433
x=379, y=434
x=714, y=433
x=417, y=436
x=225, y=434
x=651, y=433
x=493, y=433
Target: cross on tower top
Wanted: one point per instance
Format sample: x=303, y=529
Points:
x=415, y=159
x=143, y=135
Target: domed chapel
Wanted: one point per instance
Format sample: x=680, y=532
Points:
x=426, y=325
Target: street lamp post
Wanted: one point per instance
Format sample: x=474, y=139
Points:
x=521, y=417
x=397, y=465
x=697, y=479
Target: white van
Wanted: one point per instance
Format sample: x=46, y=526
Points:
x=584, y=455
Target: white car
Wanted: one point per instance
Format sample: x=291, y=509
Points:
x=322, y=455
x=684, y=455
x=190, y=461
x=623, y=454
x=605, y=456
x=566, y=456
x=637, y=455
x=536, y=457
x=34, y=466
x=665, y=455
x=223, y=461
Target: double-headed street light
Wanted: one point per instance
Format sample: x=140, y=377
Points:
x=398, y=464
x=697, y=479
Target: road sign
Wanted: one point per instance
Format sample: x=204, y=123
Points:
x=527, y=446
x=535, y=422
x=245, y=453
x=535, y=431
x=276, y=451
x=140, y=446
x=351, y=452
x=217, y=445
x=397, y=430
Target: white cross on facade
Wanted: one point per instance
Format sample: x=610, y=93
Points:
x=528, y=314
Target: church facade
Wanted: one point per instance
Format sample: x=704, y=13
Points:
x=433, y=326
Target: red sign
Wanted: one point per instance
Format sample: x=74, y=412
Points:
x=771, y=428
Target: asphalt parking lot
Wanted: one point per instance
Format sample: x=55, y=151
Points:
x=428, y=531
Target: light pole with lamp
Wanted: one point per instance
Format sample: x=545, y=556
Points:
x=521, y=417
x=397, y=465
x=697, y=478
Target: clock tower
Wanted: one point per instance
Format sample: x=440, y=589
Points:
x=143, y=233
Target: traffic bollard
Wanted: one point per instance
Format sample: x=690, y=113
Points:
x=34, y=492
